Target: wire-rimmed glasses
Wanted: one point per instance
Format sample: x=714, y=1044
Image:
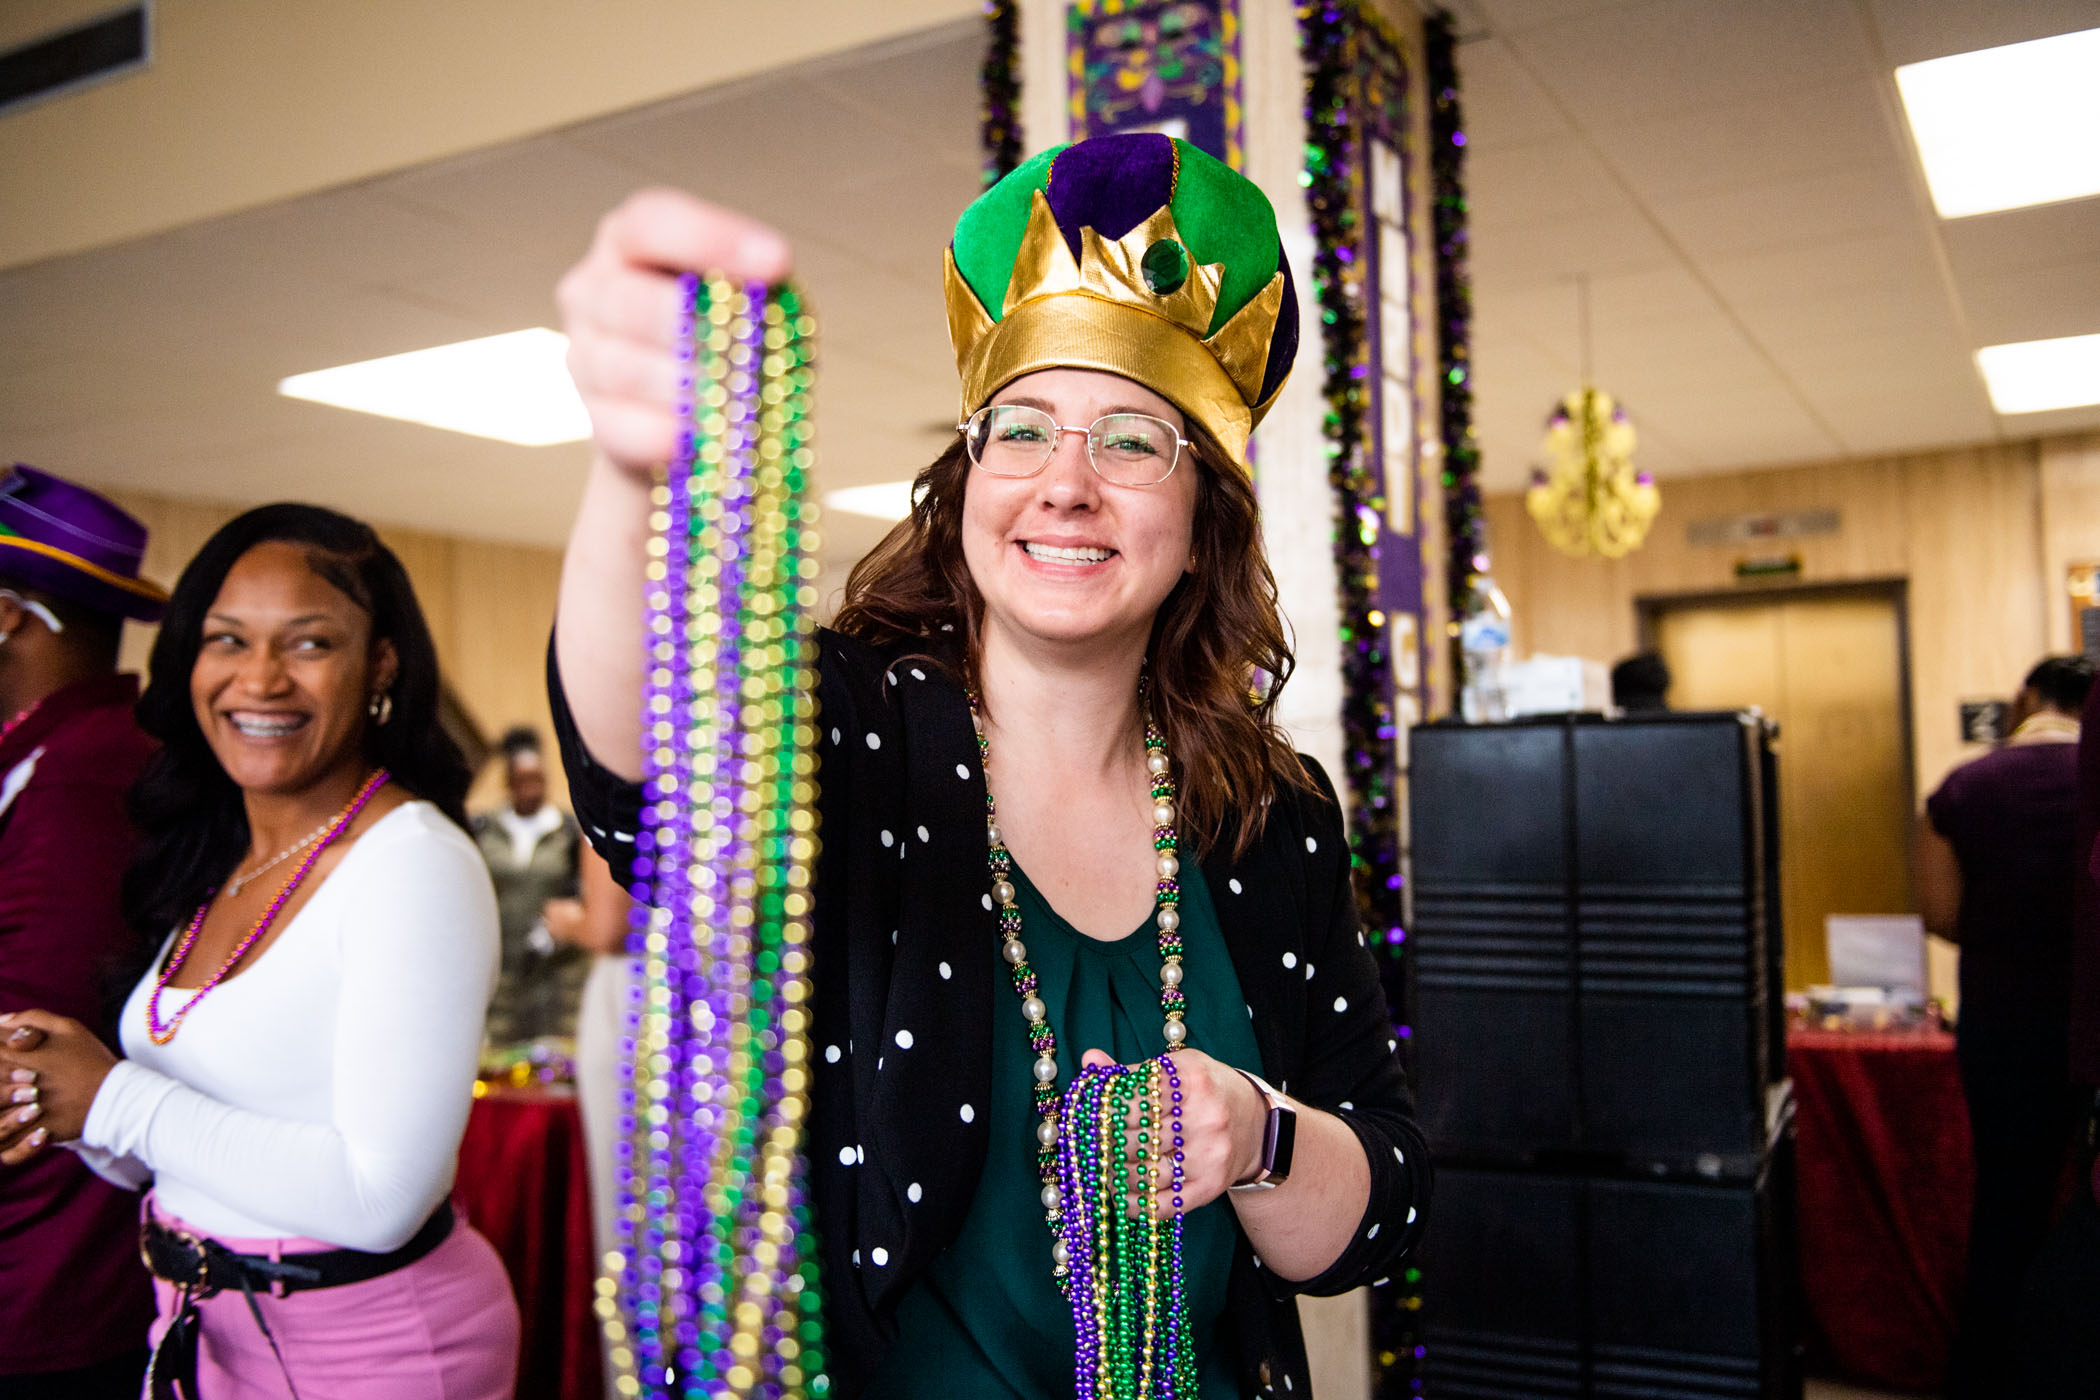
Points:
x=1128, y=449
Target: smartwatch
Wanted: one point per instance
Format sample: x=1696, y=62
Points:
x=1279, y=1135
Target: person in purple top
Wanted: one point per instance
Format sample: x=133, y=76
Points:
x=74, y=1300
x=1997, y=858
x=2059, y=1342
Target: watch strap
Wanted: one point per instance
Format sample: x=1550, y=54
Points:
x=1278, y=1141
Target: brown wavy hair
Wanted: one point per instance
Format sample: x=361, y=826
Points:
x=1218, y=656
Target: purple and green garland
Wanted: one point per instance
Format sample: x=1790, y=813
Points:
x=999, y=80
x=1465, y=523
x=1331, y=33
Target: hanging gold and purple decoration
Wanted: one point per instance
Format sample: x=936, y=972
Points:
x=1589, y=500
x=1355, y=108
x=999, y=87
x=1170, y=66
x=711, y=1288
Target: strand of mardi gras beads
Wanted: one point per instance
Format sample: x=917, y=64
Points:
x=1129, y=1309
x=711, y=1286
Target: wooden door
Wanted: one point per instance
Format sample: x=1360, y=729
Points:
x=1830, y=670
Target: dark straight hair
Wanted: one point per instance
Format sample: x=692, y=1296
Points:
x=192, y=822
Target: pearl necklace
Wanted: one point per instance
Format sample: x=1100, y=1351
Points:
x=242, y=881
x=1043, y=1040
x=160, y=1031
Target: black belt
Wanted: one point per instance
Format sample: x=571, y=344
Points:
x=200, y=1266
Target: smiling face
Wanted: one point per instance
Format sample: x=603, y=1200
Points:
x=284, y=672
x=1064, y=556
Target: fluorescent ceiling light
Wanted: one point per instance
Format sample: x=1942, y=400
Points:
x=2008, y=127
x=513, y=388
x=884, y=500
x=2034, y=376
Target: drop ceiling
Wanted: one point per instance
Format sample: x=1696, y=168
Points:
x=1768, y=281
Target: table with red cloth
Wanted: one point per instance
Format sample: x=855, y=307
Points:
x=1885, y=1181
x=523, y=1183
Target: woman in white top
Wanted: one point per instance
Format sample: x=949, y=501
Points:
x=302, y=1053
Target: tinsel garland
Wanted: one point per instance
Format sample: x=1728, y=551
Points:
x=1000, y=81
x=711, y=1288
x=1465, y=524
x=1328, y=32
x=1334, y=198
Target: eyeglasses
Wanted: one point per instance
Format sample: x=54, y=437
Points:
x=34, y=609
x=1128, y=449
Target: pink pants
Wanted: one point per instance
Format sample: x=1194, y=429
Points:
x=443, y=1328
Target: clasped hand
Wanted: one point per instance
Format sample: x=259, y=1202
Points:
x=1221, y=1131
x=50, y=1070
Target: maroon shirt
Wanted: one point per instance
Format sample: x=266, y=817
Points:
x=2012, y=818
x=2085, y=944
x=72, y=1290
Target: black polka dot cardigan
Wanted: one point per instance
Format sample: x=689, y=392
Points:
x=906, y=965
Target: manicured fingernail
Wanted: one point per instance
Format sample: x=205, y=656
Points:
x=28, y=1115
x=25, y=1094
x=37, y=1137
x=23, y=1076
x=20, y=1035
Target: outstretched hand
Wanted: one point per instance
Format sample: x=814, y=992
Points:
x=1221, y=1127
x=620, y=305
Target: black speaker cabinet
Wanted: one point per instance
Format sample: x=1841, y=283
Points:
x=1540, y=1286
x=1595, y=940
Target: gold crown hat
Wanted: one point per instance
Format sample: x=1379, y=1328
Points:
x=1135, y=254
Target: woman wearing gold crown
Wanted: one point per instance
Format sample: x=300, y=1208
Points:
x=1064, y=634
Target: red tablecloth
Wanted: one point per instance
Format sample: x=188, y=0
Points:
x=523, y=1183
x=1885, y=1186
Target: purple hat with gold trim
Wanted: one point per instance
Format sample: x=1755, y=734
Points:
x=71, y=543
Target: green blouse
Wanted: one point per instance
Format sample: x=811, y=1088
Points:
x=988, y=1320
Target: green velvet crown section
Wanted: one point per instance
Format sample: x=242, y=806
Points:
x=1111, y=184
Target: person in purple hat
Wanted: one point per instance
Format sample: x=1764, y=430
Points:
x=1070, y=621
x=74, y=1300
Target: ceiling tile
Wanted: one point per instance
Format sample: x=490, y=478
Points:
x=1806, y=212
x=1613, y=241
x=2014, y=239
x=2035, y=303
x=1534, y=181
x=1502, y=102
x=1647, y=60
x=1914, y=30
x=1830, y=125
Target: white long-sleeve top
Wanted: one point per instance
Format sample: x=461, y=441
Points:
x=322, y=1090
